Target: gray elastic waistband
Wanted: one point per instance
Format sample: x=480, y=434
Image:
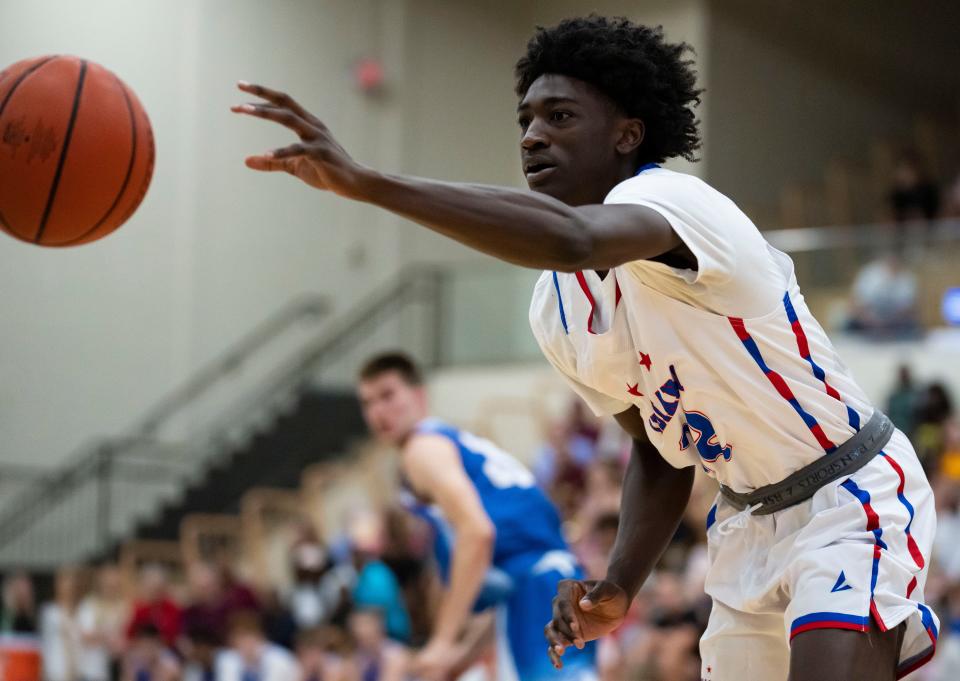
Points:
x=803, y=484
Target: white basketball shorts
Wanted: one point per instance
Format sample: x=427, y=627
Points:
x=858, y=550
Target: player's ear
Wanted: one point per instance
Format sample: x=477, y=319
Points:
x=632, y=131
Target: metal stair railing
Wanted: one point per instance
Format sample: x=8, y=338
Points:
x=85, y=491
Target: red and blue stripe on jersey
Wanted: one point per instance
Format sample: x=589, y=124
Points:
x=780, y=384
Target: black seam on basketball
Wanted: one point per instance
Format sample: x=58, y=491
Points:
x=3, y=105
x=63, y=152
x=126, y=179
x=22, y=77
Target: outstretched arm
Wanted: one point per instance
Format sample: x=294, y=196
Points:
x=521, y=227
x=654, y=497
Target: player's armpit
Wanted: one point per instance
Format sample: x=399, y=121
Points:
x=624, y=232
x=432, y=465
x=631, y=421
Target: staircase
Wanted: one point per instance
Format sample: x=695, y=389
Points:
x=322, y=426
x=255, y=417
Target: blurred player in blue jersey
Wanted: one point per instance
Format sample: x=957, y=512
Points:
x=498, y=540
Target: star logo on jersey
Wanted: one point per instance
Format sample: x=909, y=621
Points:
x=841, y=584
x=645, y=360
x=634, y=390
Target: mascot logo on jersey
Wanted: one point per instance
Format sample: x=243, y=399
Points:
x=699, y=430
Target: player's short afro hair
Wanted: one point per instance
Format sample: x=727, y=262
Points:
x=647, y=77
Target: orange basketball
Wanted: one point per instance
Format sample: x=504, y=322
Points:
x=76, y=151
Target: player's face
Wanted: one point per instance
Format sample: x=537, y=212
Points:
x=391, y=406
x=569, y=137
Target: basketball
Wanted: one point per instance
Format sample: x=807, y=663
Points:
x=76, y=151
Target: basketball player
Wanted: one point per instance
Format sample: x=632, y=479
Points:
x=487, y=512
x=662, y=305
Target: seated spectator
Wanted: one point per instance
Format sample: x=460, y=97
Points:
x=377, y=656
x=407, y=551
x=933, y=418
x=594, y=551
x=148, y=658
x=60, y=629
x=200, y=654
x=582, y=423
x=155, y=606
x=902, y=401
x=102, y=618
x=560, y=466
x=322, y=586
x=278, y=623
x=376, y=586
x=251, y=657
x=676, y=631
x=914, y=195
x=565, y=454
x=884, y=300
x=322, y=654
x=18, y=610
x=951, y=204
x=213, y=600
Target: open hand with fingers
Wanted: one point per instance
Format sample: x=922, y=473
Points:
x=583, y=611
x=318, y=159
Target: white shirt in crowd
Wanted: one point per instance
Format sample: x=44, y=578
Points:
x=60, y=643
x=275, y=664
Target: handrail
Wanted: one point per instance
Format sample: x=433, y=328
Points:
x=96, y=462
x=884, y=234
x=302, y=308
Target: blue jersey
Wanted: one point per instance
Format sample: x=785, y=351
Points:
x=529, y=558
x=527, y=524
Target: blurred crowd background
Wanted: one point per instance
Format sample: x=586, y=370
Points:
x=353, y=603
x=187, y=491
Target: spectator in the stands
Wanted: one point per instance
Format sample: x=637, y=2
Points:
x=407, y=551
x=933, y=423
x=914, y=195
x=884, y=300
x=251, y=657
x=148, y=658
x=322, y=586
x=278, y=623
x=902, y=401
x=102, y=617
x=951, y=201
x=18, y=609
x=376, y=655
x=594, y=550
x=213, y=600
x=323, y=655
x=60, y=629
x=156, y=606
x=675, y=630
x=376, y=586
x=561, y=464
x=200, y=654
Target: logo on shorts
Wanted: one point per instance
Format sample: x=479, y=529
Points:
x=841, y=584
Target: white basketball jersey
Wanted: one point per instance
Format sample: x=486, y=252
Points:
x=726, y=364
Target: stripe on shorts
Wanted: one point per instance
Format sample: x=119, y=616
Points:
x=780, y=385
x=873, y=525
x=911, y=542
x=853, y=418
x=828, y=620
x=925, y=656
